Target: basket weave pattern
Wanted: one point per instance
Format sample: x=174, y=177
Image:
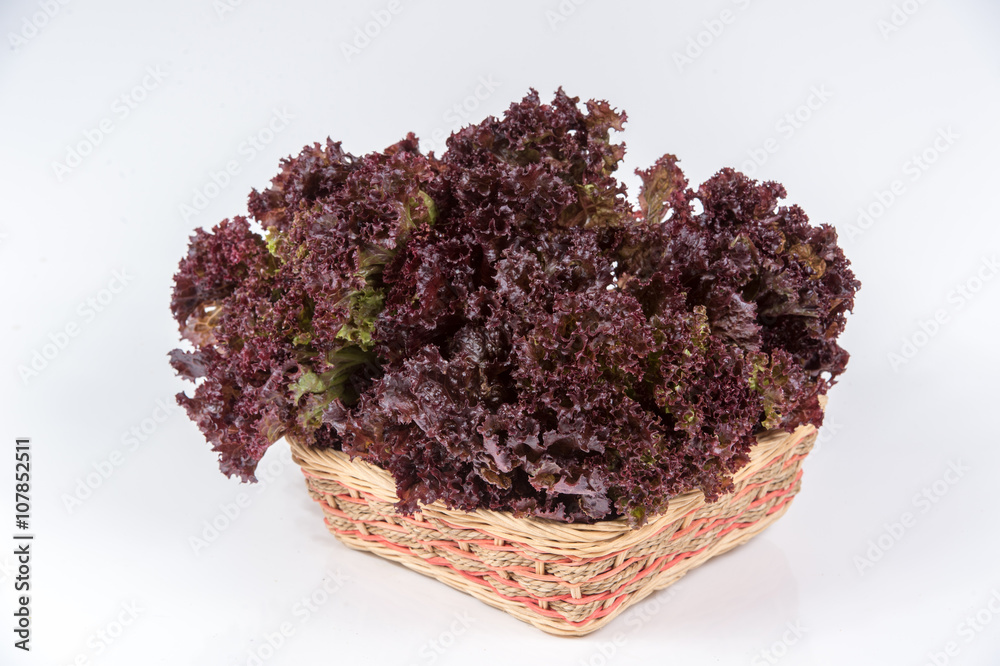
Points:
x=564, y=579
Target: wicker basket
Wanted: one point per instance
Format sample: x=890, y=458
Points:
x=565, y=579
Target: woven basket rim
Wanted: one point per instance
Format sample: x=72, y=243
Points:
x=566, y=579
x=556, y=537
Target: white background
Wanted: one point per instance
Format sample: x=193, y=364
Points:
x=859, y=589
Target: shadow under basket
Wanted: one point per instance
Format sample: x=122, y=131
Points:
x=565, y=579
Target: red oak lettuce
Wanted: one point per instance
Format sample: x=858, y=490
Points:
x=502, y=328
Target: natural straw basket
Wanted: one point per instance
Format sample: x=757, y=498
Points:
x=565, y=579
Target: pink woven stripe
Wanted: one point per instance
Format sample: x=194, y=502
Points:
x=523, y=549
x=660, y=564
